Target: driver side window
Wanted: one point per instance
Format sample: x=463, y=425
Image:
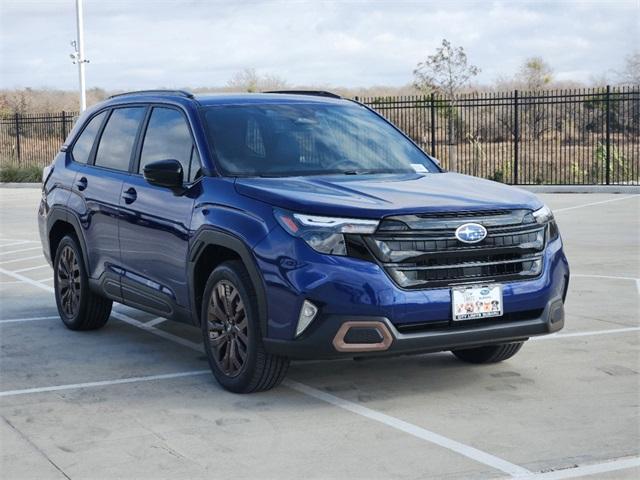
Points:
x=168, y=138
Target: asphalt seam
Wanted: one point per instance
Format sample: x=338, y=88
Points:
x=35, y=447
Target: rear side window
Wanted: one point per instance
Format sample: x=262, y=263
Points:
x=168, y=138
x=82, y=148
x=116, y=143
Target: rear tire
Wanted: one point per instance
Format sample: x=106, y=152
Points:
x=488, y=354
x=78, y=307
x=232, y=335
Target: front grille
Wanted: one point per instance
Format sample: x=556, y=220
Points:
x=422, y=251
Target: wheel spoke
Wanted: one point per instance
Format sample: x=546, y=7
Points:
x=69, y=281
x=228, y=328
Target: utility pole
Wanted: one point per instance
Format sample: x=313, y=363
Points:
x=78, y=55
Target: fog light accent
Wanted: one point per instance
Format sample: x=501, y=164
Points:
x=307, y=314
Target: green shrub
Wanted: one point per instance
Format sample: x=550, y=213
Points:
x=20, y=174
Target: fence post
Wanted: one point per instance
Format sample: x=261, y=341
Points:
x=516, y=137
x=64, y=125
x=17, y=121
x=608, y=134
x=433, y=125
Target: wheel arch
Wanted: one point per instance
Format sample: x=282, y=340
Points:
x=210, y=248
x=60, y=222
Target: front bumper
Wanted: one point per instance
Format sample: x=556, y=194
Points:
x=320, y=340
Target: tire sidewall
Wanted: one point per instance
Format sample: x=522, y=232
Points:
x=241, y=381
x=75, y=321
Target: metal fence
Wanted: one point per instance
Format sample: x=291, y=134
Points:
x=32, y=140
x=580, y=136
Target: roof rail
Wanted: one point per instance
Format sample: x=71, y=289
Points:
x=182, y=93
x=316, y=93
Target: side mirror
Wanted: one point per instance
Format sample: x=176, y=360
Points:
x=164, y=173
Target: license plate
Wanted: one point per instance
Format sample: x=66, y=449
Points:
x=476, y=301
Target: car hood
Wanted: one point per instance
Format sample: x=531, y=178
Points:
x=375, y=196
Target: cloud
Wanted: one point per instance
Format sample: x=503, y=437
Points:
x=146, y=44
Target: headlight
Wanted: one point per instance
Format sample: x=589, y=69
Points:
x=323, y=234
x=544, y=216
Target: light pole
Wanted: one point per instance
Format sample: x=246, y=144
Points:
x=78, y=55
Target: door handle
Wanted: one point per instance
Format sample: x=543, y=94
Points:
x=130, y=195
x=82, y=183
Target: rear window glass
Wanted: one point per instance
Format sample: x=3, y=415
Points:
x=82, y=148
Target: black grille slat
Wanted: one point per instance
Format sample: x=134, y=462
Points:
x=421, y=257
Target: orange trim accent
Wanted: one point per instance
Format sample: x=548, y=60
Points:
x=340, y=345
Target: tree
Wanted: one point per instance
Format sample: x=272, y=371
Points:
x=535, y=74
x=249, y=80
x=446, y=72
x=631, y=73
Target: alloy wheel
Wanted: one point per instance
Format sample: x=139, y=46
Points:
x=227, y=328
x=68, y=281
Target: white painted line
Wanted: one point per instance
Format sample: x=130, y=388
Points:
x=73, y=386
x=585, y=470
x=120, y=316
x=24, y=259
x=5, y=239
x=419, y=432
x=37, y=267
x=638, y=286
x=20, y=250
x=32, y=319
x=27, y=280
x=12, y=244
x=608, y=277
x=560, y=336
x=155, y=321
x=48, y=279
x=566, y=209
x=160, y=333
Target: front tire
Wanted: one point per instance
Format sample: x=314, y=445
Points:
x=78, y=307
x=488, y=354
x=232, y=334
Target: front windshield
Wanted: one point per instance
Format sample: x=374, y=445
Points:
x=308, y=139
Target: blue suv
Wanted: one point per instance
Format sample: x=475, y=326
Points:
x=292, y=225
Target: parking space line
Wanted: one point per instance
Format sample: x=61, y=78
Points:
x=20, y=250
x=48, y=279
x=155, y=321
x=396, y=423
x=160, y=333
x=566, y=209
x=608, y=277
x=5, y=239
x=32, y=319
x=24, y=259
x=556, y=336
x=422, y=433
x=120, y=316
x=27, y=280
x=12, y=244
x=37, y=267
x=585, y=470
x=73, y=386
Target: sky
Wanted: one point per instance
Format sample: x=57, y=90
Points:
x=135, y=44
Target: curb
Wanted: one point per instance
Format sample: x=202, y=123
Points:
x=629, y=189
x=19, y=185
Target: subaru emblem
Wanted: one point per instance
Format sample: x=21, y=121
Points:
x=471, y=233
